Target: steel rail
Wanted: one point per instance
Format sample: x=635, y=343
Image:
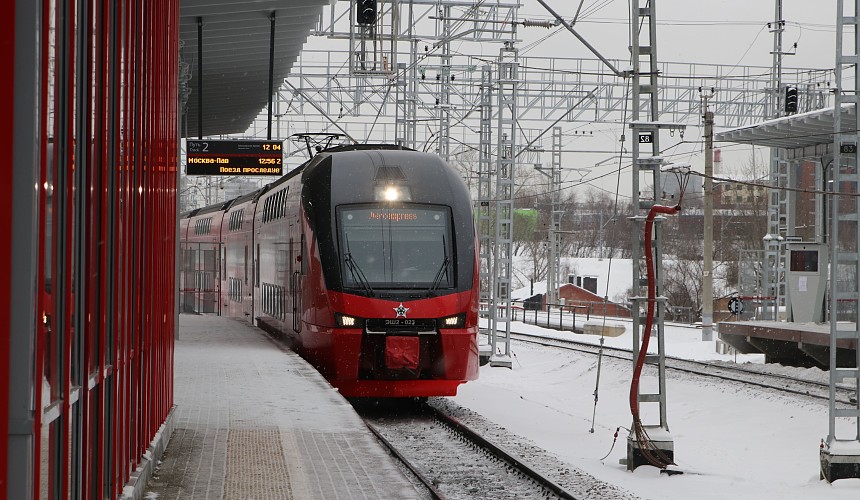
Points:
x=514, y=461
x=589, y=348
x=434, y=493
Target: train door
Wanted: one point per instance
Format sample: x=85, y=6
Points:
x=207, y=279
x=293, y=284
x=225, y=284
x=246, y=308
x=257, y=295
x=300, y=277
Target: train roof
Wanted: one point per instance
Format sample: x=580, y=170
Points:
x=253, y=195
x=216, y=207
x=360, y=147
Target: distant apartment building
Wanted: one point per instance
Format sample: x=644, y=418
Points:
x=750, y=196
x=739, y=194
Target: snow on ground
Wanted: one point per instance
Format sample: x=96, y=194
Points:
x=733, y=442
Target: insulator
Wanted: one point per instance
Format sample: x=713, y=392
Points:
x=528, y=23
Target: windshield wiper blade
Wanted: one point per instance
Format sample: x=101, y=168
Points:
x=357, y=275
x=355, y=270
x=443, y=270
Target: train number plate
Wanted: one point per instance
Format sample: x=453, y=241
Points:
x=400, y=324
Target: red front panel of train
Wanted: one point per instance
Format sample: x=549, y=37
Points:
x=408, y=357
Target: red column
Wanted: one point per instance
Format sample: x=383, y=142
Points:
x=7, y=143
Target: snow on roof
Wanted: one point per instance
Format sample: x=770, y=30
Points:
x=620, y=276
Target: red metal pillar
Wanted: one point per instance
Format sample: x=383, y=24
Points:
x=7, y=128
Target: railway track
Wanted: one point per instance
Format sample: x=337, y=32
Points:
x=779, y=382
x=452, y=460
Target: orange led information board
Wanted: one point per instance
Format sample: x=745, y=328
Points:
x=228, y=157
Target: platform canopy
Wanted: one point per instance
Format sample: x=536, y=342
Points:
x=236, y=35
x=812, y=128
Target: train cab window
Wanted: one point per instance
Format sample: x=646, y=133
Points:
x=396, y=247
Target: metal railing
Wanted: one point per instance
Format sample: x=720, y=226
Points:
x=555, y=316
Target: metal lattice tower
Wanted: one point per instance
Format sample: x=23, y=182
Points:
x=777, y=224
x=646, y=166
x=777, y=205
x=404, y=123
x=506, y=141
x=840, y=457
x=443, y=102
x=484, y=207
x=553, y=235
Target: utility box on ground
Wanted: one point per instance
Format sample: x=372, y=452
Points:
x=806, y=280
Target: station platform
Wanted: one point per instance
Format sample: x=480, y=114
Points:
x=253, y=420
x=792, y=344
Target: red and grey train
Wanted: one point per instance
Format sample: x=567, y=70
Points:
x=366, y=257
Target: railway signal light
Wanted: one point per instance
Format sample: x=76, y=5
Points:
x=790, y=100
x=366, y=12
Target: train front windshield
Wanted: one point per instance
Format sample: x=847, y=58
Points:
x=408, y=246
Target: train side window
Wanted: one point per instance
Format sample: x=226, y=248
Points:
x=286, y=194
x=257, y=268
x=246, y=264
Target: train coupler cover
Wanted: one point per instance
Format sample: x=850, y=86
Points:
x=402, y=352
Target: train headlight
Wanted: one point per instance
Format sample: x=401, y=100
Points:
x=392, y=192
x=345, y=321
x=458, y=321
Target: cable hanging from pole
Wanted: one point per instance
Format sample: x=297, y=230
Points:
x=647, y=447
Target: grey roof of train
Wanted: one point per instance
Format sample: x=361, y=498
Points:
x=236, y=57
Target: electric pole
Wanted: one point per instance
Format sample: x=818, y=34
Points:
x=708, y=265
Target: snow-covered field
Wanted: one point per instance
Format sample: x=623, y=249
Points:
x=733, y=442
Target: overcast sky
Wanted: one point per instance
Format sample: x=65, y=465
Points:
x=715, y=31
x=727, y=32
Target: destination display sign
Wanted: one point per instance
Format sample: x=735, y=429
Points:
x=231, y=157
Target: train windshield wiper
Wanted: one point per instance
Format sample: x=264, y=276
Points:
x=354, y=270
x=443, y=270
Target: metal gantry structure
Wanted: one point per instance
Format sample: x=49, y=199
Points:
x=401, y=78
x=553, y=267
x=477, y=110
x=507, y=85
x=484, y=200
x=646, y=128
x=778, y=213
x=840, y=455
